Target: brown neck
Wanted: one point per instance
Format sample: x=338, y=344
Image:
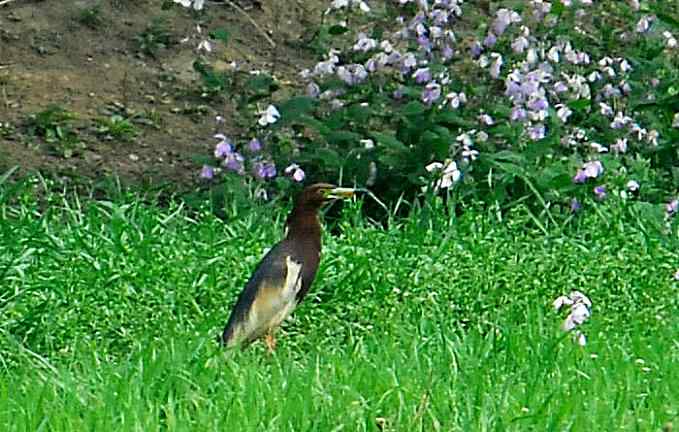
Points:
x=303, y=224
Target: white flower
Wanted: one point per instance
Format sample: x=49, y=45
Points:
x=465, y=139
x=449, y=173
x=580, y=306
x=496, y=66
x=563, y=112
x=561, y=301
x=339, y=4
x=625, y=66
x=644, y=24
x=368, y=143
x=580, y=338
x=606, y=109
x=457, y=99
x=594, y=76
x=365, y=43
x=579, y=314
x=205, y=46
x=486, y=119
x=197, y=4
x=532, y=56
x=598, y=147
x=675, y=120
x=269, y=116
x=632, y=186
x=553, y=54
x=652, y=137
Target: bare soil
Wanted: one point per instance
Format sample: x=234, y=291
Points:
x=51, y=54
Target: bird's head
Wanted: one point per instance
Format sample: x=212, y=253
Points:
x=316, y=195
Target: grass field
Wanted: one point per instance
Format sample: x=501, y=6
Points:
x=109, y=313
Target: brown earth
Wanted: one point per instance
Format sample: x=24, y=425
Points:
x=51, y=53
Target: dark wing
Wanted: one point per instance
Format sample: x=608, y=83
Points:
x=271, y=270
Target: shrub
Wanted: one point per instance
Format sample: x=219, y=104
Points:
x=524, y=103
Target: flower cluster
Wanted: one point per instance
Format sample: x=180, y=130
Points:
x=196, y=4
x=228, y=158
x=579, y=307
x=393, y=98
x=448, y=172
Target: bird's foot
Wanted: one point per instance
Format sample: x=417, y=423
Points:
x=270, y=341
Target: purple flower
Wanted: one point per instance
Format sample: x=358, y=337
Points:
x=422, y=75
x=475, y=49
x=560, y=87
x=234, y=162
x=398, y=93
x=313, y=90
x=600, y=192
x=672, y=207
x=223, y=147
x=408, y=62
x=254, y=145
x=593, y=169
x=447, y=52
x=490, y=40
x=575, y=205
x=520, y=44
x=295, y=172
x=620, y=146
x=538, y=104
x=424, y=42
x=580, y=177
x=518, y=114
x=264, y=170
x=537, y=132
x=207, y=172
x=431, y=93
x=372, y=65
x=352, y=74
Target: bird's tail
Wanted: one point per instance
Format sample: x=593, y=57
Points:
x=228, y=337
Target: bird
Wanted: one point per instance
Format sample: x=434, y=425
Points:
x=284, y=276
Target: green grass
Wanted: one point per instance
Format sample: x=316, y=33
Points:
x=109, y=313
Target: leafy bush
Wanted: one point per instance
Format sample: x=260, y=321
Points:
x=549, y=100
x=54, y=125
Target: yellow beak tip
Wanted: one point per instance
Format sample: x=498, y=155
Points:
x=341, y=193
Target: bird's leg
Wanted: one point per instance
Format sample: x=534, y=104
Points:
x=270, y=341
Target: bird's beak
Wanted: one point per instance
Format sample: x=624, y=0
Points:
x=340, y=193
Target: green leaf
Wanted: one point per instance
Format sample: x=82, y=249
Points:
x=337, y=29
x=220, y=34
x=389, y=141
x=313, y=123
x=667, y=19
x=413, y=108
x=294, y=108
x=261, y=85
x=341, y=137
x=579, y=105
x=452, y=118
x=328, y=157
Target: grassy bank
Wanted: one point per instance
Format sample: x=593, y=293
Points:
x=109, y=312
